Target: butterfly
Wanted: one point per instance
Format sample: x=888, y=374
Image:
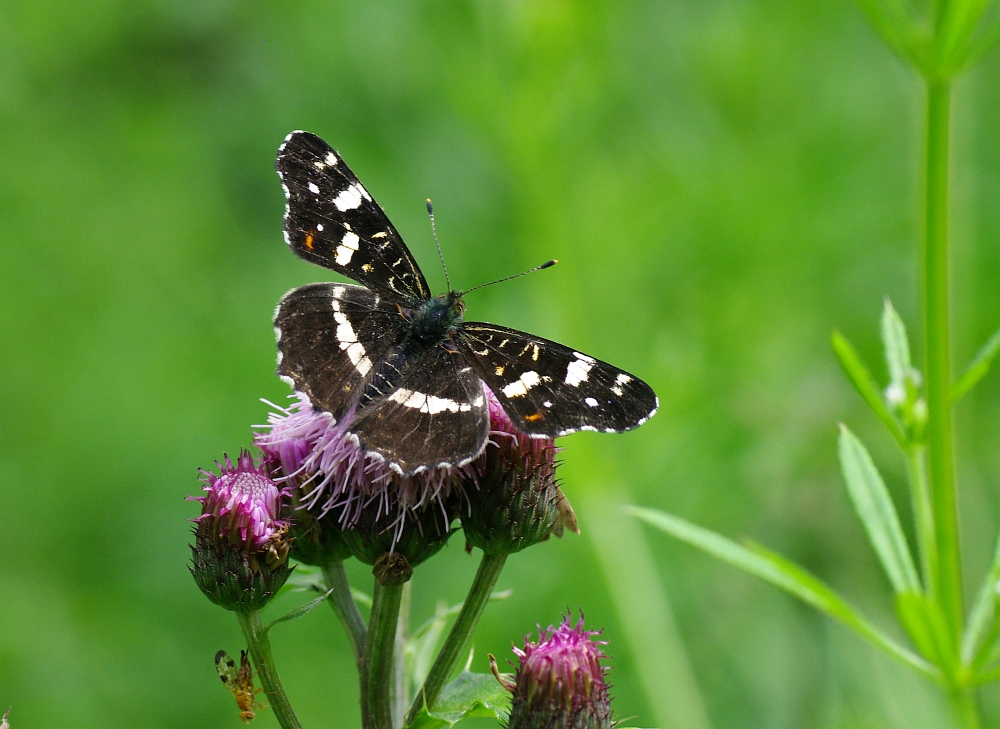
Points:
x=402, y=367
x=239, y=682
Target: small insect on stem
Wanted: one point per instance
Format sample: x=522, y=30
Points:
x=239, y=682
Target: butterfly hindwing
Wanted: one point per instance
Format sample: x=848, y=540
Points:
x=551, y=390
x=436, y=414
x=331, y=339
x=332, y=220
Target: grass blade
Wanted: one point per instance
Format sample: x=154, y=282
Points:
x=784, y=574
x=866, y=387
x=877, y=513
x=979, y=367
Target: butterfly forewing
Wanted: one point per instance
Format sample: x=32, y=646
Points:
x=551, y=390
x=434, y=415
x=332, y=220
x=332, y=338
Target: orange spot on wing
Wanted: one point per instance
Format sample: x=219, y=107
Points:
x=533, y=417
x=309, y=241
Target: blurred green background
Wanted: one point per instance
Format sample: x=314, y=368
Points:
x=723, y=181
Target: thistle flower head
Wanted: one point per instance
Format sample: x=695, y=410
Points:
x=506, y=497
x=560, y=682
x=241, y=545
x=242, y=504
x=334, y=475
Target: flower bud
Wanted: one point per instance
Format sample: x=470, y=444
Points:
x=516, y=501
x=240, y=554
x=560, y=682
x=382, y=528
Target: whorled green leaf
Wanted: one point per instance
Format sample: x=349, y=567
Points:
x=894, y=23
x=469, y=695
x=927, y=626
x=877, y=513
x=788, y=576
x=857, y=373
x=298, y=612
x=979, y=367
x=983, y=615
x=897, y=346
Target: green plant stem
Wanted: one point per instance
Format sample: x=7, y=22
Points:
x=376, y=665
x=454, y=646
x=937, y=341
x=923, y=514
x=965, y=708
x=347, y=610
x=259, y=646
x=400, y=694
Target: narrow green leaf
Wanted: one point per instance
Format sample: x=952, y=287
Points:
x=983, y=610
x=980, y=44
x=865, y=385
x=926, y=624
x=877, y=513
x=958, y=26
x=897, y=346
x=979, y=367
x=780, y=572
x=469, y=695
x=298, y=612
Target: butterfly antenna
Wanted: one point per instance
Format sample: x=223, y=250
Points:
x=430, y=211
x=547, y=264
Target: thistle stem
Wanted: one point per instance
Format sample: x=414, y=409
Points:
x=376, y=665
x=343, y=604
x=937, y=341
x=259, y=646
x=454, y=646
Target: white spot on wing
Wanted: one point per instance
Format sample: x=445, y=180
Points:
x=319, y=227
x=313, y=188
x=534, y=354
x=346, y=248
x=591, y=402
x=576, y=371
x=547, y=403
x=349, y=342
x=428, y=403
x=350, y=198
x=331, y=159
x=520, y=387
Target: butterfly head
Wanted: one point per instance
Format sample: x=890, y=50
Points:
x=437, y=317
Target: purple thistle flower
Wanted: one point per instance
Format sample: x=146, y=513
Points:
x=333, y=474
x=507, y=497
x=243, y=504
x=241, y=546
x=560, y=682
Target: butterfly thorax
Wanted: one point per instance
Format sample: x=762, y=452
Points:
x=436, y=318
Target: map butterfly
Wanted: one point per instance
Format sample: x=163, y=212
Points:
x=402, y=367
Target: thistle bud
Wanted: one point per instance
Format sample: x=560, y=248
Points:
x=240, y=554
x=383, y=528
x=560, y=682
x=516, y=501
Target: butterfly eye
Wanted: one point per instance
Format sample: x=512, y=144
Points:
x=461, y=306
